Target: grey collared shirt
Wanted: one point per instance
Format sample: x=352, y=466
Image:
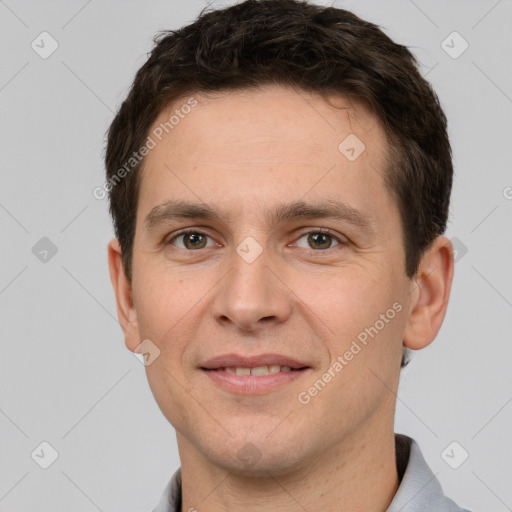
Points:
x=419, y=489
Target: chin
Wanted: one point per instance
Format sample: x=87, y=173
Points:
x=258, y=457
x=262, y=468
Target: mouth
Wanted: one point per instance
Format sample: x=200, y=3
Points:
x=246, y=379
x=258, y=371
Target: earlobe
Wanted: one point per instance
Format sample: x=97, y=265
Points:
x=126, y=311
x=430, y=290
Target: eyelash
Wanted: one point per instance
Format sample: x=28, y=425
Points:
x=324, y=231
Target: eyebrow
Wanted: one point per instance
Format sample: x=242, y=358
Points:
x=328, y=209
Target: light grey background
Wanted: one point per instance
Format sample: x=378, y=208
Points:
x=66, y=376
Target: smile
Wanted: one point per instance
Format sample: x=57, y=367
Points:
x=256, y=380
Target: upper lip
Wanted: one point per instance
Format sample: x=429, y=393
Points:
x=237, y=361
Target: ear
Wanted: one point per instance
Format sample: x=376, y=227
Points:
x=126, y=311
x=430, y=289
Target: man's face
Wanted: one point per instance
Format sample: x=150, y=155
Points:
x=251, y=283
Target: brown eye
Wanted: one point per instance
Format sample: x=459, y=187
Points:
x=191, y=240
x=319, y=240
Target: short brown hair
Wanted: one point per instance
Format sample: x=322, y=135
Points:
x=317, y=49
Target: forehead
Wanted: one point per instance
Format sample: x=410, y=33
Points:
x=240, y=148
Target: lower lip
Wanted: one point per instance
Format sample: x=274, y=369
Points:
x=253, y=384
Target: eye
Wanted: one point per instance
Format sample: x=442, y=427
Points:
x=191, y=240
x=320, y=239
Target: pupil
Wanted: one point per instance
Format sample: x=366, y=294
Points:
x=315, y=238
x=194, y=239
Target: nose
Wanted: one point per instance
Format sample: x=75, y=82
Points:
x=252, y=294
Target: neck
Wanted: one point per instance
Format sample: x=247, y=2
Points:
x=359, y=473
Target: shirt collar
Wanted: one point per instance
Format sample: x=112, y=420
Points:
x=419, y=488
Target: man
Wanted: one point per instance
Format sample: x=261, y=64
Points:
x=279, y=179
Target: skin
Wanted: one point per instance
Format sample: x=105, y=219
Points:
x=246, y=152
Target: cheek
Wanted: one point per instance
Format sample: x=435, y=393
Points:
x=171, y=393
x=364, y=316
x=347, y=302
x=163, y=303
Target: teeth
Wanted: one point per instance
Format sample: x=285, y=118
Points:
x=258, y=370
